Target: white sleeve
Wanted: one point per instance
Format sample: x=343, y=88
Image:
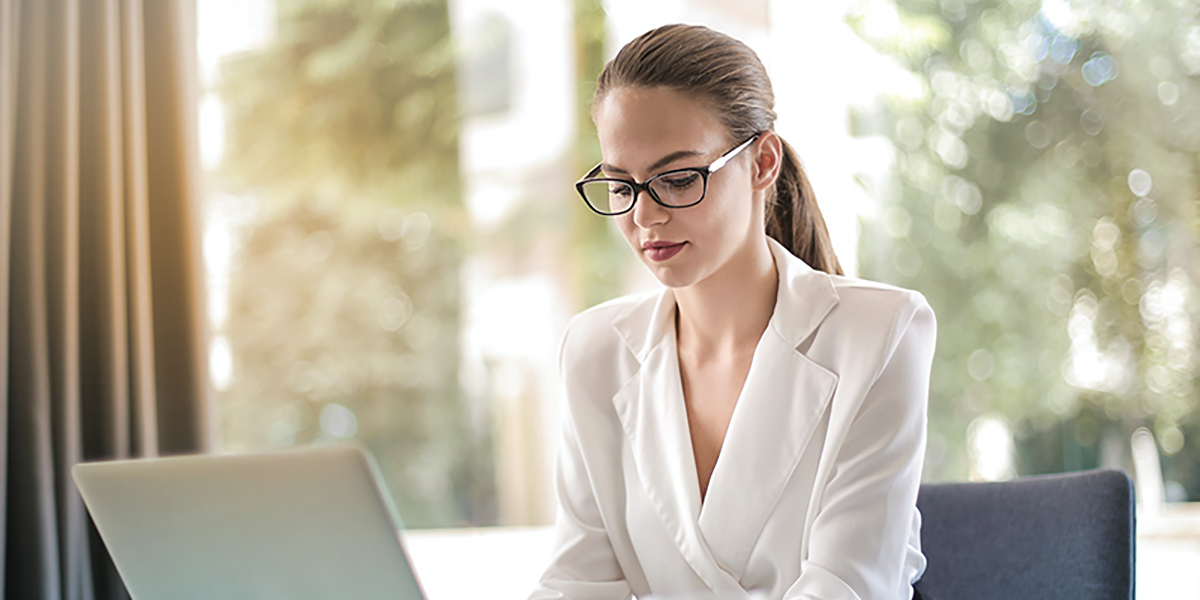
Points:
x=583, y=565
x=859, y=541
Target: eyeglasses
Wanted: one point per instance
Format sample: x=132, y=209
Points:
x=679, y=188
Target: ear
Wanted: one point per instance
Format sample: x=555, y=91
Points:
x=768, y=157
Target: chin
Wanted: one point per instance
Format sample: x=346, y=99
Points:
x=672, y=276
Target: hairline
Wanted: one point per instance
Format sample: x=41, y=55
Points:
x=706, y=101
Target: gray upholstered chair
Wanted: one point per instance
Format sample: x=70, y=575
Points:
x=1053, y=537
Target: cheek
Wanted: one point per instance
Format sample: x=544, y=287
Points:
x=732, y=211
x=626, y=227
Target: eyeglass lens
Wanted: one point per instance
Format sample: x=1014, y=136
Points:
x=683, y=188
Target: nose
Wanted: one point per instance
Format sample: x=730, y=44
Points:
x=647, y=213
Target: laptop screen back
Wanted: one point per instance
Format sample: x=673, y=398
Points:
x=297, y=525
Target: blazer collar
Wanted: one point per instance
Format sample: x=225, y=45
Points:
x=805, y=296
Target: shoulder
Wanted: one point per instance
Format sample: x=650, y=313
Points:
x=880, y=314
x=880, y=340
x=595, y=360
x=589, y=335
x=866, y=295
x=851, y=313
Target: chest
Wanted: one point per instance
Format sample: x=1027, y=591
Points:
x=710, y=391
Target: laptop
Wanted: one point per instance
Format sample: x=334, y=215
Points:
x=301, y=524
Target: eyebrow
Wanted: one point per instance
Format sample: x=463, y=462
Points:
x=662, y=162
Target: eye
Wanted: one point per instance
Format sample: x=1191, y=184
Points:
x=618, y=189
x=680, y=181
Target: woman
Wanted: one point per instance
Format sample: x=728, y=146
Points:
x=758, y=426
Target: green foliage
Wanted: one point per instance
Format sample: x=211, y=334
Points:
x=1044, y=201
x=344, y=315
x=599, y=254
x=352, y=98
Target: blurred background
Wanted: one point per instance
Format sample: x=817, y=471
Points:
x=393, y=243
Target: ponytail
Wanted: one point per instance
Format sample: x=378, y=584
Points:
x=794, y=219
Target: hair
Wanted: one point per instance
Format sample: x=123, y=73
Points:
x=728, y=75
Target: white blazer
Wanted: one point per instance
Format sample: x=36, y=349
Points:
x=813, y=495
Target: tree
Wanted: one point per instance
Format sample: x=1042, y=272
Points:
x=344, y=319
x=1044, y=201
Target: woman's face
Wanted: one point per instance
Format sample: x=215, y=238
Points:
x=646, y=131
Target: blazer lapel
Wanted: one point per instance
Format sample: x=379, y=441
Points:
x=651, y=408
x=779, y=408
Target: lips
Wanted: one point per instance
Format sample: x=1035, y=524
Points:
x=659, y=251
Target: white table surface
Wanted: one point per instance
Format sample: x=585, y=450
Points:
x=496, y=563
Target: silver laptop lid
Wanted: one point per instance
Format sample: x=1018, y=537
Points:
x=296, y=525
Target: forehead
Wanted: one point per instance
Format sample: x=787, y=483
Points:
x=638, y=126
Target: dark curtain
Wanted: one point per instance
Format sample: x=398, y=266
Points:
x=101, y=308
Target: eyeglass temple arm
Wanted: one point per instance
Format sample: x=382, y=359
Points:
x=720, y=162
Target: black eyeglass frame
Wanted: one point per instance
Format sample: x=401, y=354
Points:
x=638, y=188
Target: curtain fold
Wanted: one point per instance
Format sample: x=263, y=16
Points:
x=9, y=18
x=62, y=291
x=102, y=340
x=172, y=171
x=8, y=54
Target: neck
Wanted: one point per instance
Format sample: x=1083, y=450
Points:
x=731, y=308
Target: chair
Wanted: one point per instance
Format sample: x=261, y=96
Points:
x=1059, y=537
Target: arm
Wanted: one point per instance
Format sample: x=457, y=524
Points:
x=583, y=566
x=858, y=542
